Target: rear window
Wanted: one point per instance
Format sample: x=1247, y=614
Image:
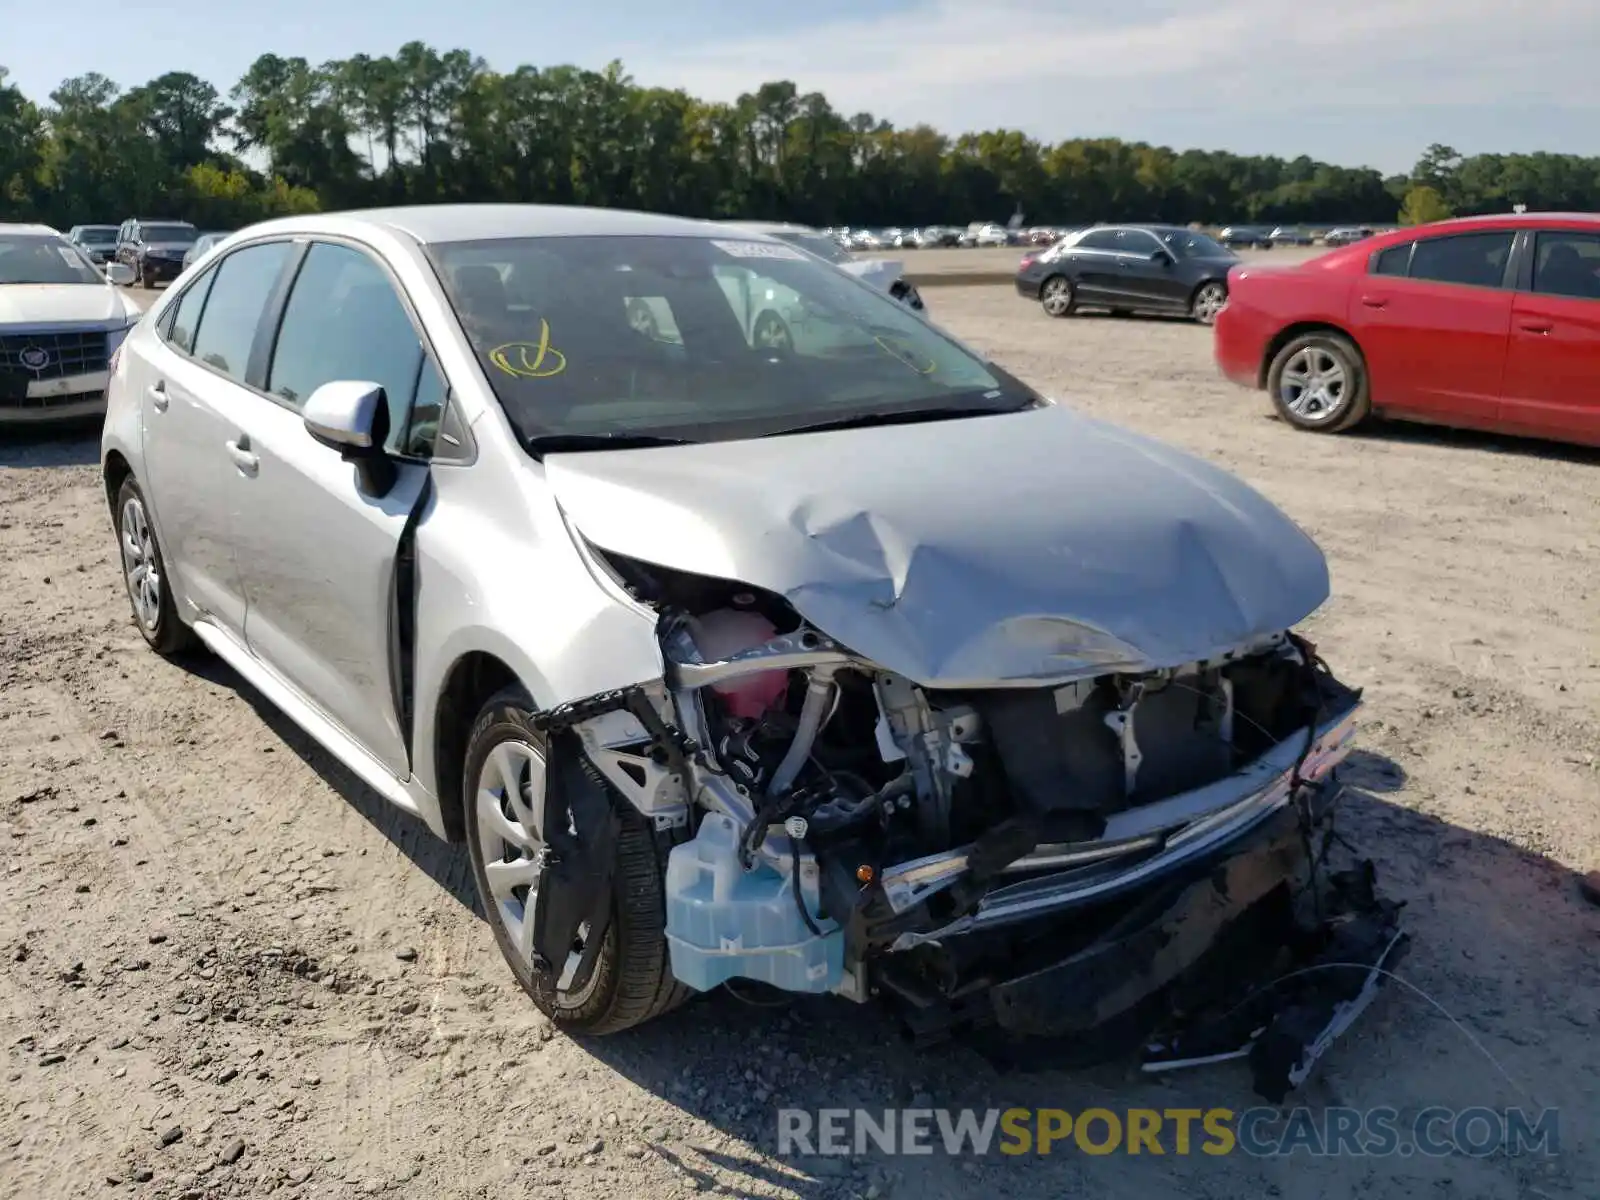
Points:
x=1472, y=259
x=695, y=338
x=168, y=233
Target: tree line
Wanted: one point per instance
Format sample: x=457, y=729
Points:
x=423, y=126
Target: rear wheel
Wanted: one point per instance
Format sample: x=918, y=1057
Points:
x=1208, y=301
x=771, y=332
x=1318, y=382
x=505, y=778
x=1057, y=297
x=144, y=574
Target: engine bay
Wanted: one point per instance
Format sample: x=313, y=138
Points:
x=969, y=855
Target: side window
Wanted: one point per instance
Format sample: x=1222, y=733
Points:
x=1396, y=260
x=345, y=321
x=1099, y=239
x=1472, y=259
x=239, y=293
x=186, y=316
x=1567, y=263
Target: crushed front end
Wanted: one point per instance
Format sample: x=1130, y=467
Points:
x=1128, y=862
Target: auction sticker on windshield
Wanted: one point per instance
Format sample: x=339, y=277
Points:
x=759, y=250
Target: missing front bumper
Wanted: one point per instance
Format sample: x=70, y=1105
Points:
x=1258, y=953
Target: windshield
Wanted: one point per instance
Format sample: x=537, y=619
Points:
x=168, y=233
x=698, y=339
x=30, y=258
x=821, y=245
x=1195, y=245
x=98, y=237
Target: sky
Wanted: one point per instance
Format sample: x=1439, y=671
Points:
x=1363, y=83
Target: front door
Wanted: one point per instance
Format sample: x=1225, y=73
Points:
x=1552, y=378
x=1433, y=322
x=317, y=552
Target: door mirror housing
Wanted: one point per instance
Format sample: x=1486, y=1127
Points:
x=352, y=417
x=119, y=273
x=1163, y=258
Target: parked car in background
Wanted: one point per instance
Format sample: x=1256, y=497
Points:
x=1163, y=269
x=883, y=273
x=1483, y=322
x=203, y=244
x=98, y=242
x=938, y=237
x=154, y=249
x=61, y=319
x=993, y=235
x=1246, y=237
x=1291, y=235
x=733, y=664
x=1344, y=235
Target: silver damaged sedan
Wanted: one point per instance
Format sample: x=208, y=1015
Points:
x=846, y=664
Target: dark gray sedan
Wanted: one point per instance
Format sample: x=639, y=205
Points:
x=1164, y=269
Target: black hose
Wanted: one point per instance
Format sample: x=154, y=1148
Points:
x=799, y=895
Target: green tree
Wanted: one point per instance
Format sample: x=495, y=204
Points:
x=424, y=124
x=1422, y=205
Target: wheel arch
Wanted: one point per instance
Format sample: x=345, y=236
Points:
x=115, y=472
x=1289, y=332
x=469, y=683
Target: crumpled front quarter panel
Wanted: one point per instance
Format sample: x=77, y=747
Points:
x=499, y=574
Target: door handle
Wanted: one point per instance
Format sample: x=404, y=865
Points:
x=239, y=451
x=1538, y=326
x=1374, y=301
x=158, y=396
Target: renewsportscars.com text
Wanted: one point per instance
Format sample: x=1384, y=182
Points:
x=1260, y=1132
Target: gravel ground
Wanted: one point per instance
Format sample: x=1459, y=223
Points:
x=230, y=970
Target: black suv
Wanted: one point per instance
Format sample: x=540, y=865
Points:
x=154, y=248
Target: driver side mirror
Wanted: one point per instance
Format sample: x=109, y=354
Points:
x=1163, y=258
x=352, y=417
x=119, y=273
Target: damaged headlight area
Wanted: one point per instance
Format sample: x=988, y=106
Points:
x=1117, y=863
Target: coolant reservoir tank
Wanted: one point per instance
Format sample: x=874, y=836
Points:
x=723, y=633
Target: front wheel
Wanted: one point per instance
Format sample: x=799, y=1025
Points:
x=1057, y=296
x=1318, y=382
x=1208, y=301
x=506, y=787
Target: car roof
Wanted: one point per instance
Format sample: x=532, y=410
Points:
x=772, y=227
x=1509, y=220
x=433, y=223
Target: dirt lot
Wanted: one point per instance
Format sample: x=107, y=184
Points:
x=229, y=970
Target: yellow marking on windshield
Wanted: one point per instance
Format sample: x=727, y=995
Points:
x=905, y=356
x=530, y=360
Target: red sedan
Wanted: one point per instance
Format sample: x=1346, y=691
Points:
x=1483, y=322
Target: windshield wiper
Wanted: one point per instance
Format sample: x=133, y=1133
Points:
x=563, y=443
x=903, y=417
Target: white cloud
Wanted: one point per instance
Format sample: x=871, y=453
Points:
x=1055, y=70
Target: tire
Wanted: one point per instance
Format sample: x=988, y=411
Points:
x=769, y=331
x=1207, y=301
x=632, y=980
x=144, y=576
x=1057, y=296
x=1313, y=357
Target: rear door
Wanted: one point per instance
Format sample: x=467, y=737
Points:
x=190, y=391
x=1552, y=378
x=1433, y=318
x=318, y=554
x=1098, y=260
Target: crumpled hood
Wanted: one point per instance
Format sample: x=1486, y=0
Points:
x=32, y=304
x=879, y=272
x=1033, y=546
